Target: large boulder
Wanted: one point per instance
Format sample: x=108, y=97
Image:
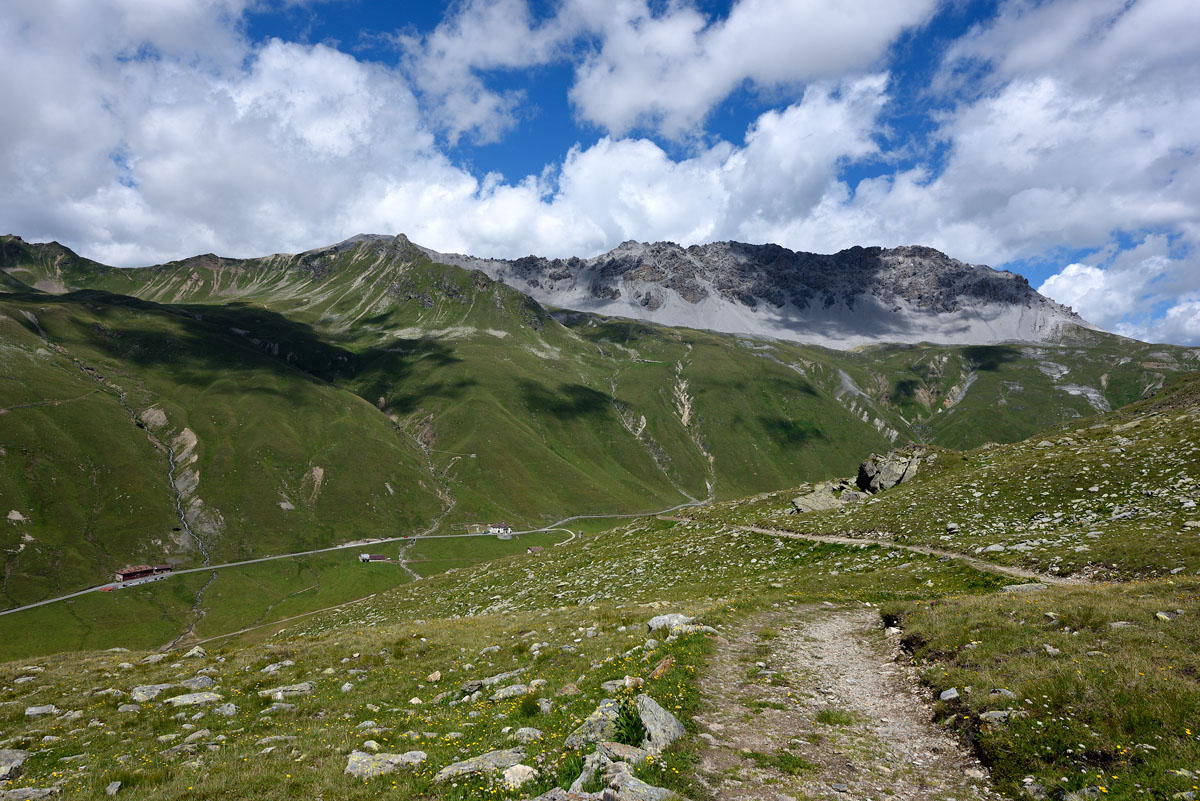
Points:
x=879, y=473
x=662, y=728
x=491, y=762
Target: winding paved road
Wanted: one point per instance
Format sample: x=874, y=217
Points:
x=558, y=525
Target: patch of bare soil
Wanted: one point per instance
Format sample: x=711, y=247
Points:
x=811, y=703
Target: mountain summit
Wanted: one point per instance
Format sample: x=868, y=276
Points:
x=858, y=296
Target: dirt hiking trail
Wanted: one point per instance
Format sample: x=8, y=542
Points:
x=810, y=703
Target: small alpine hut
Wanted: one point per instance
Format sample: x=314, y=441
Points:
x=372, y=557
x=131, y=572
x=501, y=530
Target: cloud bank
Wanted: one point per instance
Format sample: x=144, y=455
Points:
x=140, y=131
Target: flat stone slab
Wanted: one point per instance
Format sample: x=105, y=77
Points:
x=510, y=692
x=28, y=793
x=41, y=711
x=365, y=765
x=485, y=763
x=198, y=683
x=193, y=699
x=148, y=692
x=1033, y=587
x=287, y=690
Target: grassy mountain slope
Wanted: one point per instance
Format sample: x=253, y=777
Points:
x=361, y=390
x=1111, y=497
x=117, y=410
x=1098, y=679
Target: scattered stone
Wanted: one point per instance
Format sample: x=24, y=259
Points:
x=195, y=653
x=11, y=762
x=41, y=711
x=949, y=695
x=28, y=793
x=226, y=710
x=510, y=692
x=660, y=670
x=192, y=699
x=1050, y=649
x=1033, y=587
x=527, y=734
x=662, y=728
x=364, y=765
x=566, y=690
x=275, y=667
x=995, y=716
x=148, y=692
x=197, y=735
x=287, y=691
x=518, y=776
x=125, y=708
x=668, y=622
x=152, y=658
x=113, y=788
x=434, y=677
x=485, y=763
x=619, y=752
x=198, y=683
x=600, y=725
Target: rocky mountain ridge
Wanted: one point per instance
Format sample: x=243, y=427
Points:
x=857, y=296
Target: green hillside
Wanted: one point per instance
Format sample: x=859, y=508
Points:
x=220, y=409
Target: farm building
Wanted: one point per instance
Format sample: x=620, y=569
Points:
x=372, y=557
x=131, y=572
x=500, y=529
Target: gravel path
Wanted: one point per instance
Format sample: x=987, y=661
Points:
x=810, y=703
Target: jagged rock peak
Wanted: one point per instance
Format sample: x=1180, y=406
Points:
x=856, y=296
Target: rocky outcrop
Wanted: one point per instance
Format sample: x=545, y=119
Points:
x=600, y=725
x=491, y=762
x=879, y=473
x=662, y=728
x=826, y=495
x=859, y=295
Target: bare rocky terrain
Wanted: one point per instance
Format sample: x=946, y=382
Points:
x=858, y=295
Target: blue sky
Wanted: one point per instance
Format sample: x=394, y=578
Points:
x=1054, y=138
